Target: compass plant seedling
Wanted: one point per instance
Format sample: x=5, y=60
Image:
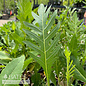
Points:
x=44, y=45
x=70, y=66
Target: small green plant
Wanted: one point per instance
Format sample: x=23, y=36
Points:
x=70, y=66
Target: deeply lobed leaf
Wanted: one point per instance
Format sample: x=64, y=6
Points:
x=45, y=48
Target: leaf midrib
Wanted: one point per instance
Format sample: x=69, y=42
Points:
x=44, y=47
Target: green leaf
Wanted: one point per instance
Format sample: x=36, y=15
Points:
x=46, y=47
x=33, y=27
x=24, y=11
x=13, y=26
x=79, y=72
x=4, y=61
x=12, y=71
x=67, y=53
x=53, y=78
x=50, y=23
x=27, y=62
x=34, y=47
x=36, y=78
x=3, y=56
x=33, y=35
x=73, y=43
x=17, y=38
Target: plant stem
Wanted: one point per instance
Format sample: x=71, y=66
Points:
x=58, y=80
x=67, y=73
x=46, y=69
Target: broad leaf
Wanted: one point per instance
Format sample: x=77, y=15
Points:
x=12, y=71
x=46, y=47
